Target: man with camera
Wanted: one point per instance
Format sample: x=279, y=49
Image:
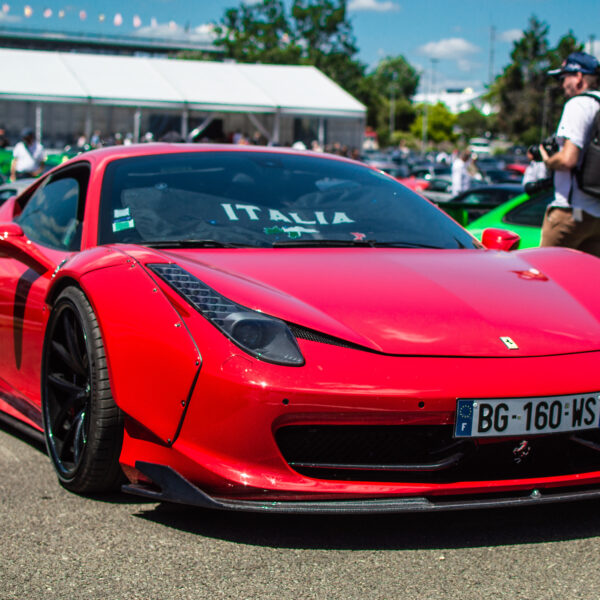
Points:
x=573, y=218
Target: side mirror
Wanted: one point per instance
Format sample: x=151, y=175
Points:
x=500, y=239
x=10, y=230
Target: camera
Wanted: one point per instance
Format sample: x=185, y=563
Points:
x=550, y=145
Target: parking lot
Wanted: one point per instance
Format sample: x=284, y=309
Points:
x=58, y=545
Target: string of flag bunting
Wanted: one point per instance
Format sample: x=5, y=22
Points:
x=117, y=18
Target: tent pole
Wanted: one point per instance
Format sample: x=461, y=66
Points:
x=259, y=125
x=137, y=123
x=321, y=132
x=88, y=121
x=276, y=128
x=185, y=115
x=38, y=122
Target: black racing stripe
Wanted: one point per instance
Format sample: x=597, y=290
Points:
x=24, y=285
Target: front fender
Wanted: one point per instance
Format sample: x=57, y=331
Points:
x=152, y=359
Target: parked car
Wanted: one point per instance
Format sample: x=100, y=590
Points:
x=438, y=190
x=524, y=215
x=12, y=188
x=492, y=176
x=431, y=171
x=480, y=146
x=259, y=329
x=479, y=199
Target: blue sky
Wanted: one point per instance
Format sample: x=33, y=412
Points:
x=449, y=42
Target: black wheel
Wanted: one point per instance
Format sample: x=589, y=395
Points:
x=83, y=425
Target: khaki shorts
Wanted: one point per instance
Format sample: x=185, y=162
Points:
x=561, y=229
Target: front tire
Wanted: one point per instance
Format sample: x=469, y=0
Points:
x=82, y=424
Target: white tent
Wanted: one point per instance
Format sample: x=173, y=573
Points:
x=183, y=85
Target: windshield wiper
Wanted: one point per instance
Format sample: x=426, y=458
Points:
x=190, y=244
x=350, y=244
x=407, y=245
x=323, y=243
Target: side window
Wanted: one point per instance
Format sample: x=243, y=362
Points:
x=529, y=213
x=52, y=216
x=475, y=198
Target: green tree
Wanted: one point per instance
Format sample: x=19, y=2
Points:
x=529, y=101
x=322, y=29
x=258, y=32
x=472, y=123
x=393, y=82
x=520, y=89
x=440, y=123
x=316, y=32
x=394, y=75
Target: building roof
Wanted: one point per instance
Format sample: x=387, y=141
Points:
x=171, y=83
x=140, y=41
x=457, y=100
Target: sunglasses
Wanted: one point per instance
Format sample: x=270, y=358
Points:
x=563, y=76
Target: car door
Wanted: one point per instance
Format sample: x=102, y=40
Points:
x=51, y=221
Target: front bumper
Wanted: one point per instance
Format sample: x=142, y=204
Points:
x=227, y=453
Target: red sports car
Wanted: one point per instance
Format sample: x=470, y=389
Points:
x=266, y=330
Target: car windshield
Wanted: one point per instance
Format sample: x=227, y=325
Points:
x=264, y=199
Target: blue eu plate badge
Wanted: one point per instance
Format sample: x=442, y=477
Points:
x=464, y=418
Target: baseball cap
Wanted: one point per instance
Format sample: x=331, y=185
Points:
x=27, y=132
x=577, y=62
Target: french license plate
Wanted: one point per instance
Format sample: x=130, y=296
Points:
x=501, y=417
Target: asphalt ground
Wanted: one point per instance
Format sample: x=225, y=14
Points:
x=57, y=545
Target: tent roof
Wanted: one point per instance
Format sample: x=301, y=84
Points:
x=172, y=83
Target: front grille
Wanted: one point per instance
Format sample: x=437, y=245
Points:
x=430, y=454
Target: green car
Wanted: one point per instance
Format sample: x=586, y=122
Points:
x=523, y=215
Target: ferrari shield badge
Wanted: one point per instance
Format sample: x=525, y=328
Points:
x=509, y=343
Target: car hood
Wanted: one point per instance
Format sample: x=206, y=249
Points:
x=418, y=302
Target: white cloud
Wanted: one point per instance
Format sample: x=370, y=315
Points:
x=373, y=5
x=450, y=49
x=511, y=35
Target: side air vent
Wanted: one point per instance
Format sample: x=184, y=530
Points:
x=314, y=336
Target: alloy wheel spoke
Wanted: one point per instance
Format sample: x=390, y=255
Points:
x=73, y=344
x=68, y=390
x=71, y=448
x=67, y=358
x=79, y=438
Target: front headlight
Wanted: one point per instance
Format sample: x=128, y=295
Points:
x=262, y=336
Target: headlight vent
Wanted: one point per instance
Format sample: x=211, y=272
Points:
x=260, y=335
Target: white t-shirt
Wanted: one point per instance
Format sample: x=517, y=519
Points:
x=461, y=180
x=576, y=125
x=28, y=160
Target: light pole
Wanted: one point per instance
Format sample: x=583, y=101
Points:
x=430, y=92
x=393, y=103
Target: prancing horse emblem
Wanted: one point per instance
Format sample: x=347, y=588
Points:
x=509, y=343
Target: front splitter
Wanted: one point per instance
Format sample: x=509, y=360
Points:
x=172, y=487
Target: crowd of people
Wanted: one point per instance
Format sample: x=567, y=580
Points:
x=29, y=155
